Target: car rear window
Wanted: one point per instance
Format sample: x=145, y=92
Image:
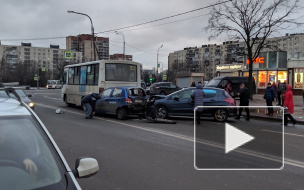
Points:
x=226, y=94
x=209, y=93
x=165, y=84
x=136, y=92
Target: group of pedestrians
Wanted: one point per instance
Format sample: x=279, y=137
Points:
x=283, y=94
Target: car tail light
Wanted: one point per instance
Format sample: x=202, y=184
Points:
x=128, y=100
x=231, y=101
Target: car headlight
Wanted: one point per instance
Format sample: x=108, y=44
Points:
x=47, y=86
x=31, y=104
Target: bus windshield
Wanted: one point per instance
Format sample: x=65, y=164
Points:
x=121, y=72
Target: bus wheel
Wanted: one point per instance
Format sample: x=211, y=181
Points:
x=66, y=101
x=121, y=113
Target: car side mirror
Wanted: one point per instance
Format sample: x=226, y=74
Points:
x=29, y=95
x=176, y=99
x=85, y=167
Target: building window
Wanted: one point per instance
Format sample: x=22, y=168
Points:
x=262, y=79
x=298, y=78
x=272, y=60
x=282, y=60
x=282, y=76
x=272, y=76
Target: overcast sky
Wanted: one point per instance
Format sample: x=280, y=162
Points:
x=27, y=19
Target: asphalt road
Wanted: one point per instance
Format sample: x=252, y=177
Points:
x=136, y=154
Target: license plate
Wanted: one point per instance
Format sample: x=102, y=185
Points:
x=138, y=101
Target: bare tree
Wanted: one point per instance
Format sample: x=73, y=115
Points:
x=253, y=21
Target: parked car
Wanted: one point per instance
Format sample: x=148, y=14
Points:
x=54, y=84
x=24, y=97
x=30, y=158
x=221, y=82
x=181, y=104
x=163, y=88
x=121, y=101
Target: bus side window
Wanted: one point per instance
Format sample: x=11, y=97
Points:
x=96, y=74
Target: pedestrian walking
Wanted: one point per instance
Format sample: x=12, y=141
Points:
x=198, y=97
x=269, y=96
x=193, y=84
x=228, y=89
x=303, y=96
x=280, y=86
x=89, y=102
x=283, y=92
x=244, y=101
x=288, y=103
x=275, y=88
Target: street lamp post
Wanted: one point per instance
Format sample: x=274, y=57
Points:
x=124, y=44
x=157, y=62
x=92, y=30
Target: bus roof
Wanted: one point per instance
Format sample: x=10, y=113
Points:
x=106, y=61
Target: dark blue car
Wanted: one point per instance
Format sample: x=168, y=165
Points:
x=121, y=101
x=180, y=104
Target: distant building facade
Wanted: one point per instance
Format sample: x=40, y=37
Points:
x=41, y=56
x=282, y=61
x=84, y=43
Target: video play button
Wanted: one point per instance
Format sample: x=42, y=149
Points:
x=235, y=138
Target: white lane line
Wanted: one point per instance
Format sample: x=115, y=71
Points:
x=291, y=134
x=191, y=139
x=57, y=99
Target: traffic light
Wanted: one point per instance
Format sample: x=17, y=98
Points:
x=150, y=80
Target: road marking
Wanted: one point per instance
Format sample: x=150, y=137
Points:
x=57, y=99
x=291, y=134
x=191, y=139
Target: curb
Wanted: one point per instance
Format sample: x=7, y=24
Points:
x=272, y=119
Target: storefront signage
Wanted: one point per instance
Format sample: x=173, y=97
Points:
x=257, y=60
x=228, y=67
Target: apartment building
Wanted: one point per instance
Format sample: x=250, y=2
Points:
x=43, y=57
x=282, y=60
x=84, y=43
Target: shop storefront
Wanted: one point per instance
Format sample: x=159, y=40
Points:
x=295, y=71
x=269, y=67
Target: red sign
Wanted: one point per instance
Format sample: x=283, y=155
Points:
x=257, y=60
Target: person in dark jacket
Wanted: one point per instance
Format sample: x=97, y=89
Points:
x=244, y=101
x=88, y=101
x=193, y=84
x=269, y=96
x=280, y=87
x=198, y=97
x=283, y=92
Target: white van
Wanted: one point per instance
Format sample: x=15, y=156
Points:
x=53, y=84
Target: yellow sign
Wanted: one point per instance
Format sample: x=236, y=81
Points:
x=164, y=77
x=43, y=69
x=132, y=67
x=35, y=78
x=68, y=54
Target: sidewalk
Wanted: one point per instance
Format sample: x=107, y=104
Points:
x=258, y=100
